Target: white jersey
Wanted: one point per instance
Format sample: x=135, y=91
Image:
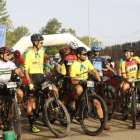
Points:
x=6, y=71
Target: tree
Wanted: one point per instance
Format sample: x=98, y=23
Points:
x=20, y=31
x=52, y=27
x=3, y=13
x=85, y=40
x=72, y=31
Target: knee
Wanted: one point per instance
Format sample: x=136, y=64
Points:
x=19, y=93
x=78, y=90
x=126, y=86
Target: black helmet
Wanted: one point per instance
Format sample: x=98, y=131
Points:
x=89, y=53
x=36, y=37
x=128, y=49
x=80, y=50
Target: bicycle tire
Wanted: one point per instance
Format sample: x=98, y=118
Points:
x=55, y=132
x=15, y=111
x=82, y=109
x=133, y=109
x=110, y=101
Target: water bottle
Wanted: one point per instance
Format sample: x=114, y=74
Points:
x=137, y=100
x=129, y=106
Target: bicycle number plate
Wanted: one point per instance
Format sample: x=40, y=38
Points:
x=11, y=85
x=90, y=84
x=44, y=85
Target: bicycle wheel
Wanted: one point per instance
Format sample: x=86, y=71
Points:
x=61, y=114
x=133, y=109
x=15, y=122
x=89, y=119
x=109, y=99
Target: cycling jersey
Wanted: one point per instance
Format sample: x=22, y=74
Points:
x=34, y=61
x=129, y=69
x=20, y=61
x=67, y=60
x=6, y=69
x=97, y=62
x=123, y=59
x=80, y=70
x=62, y=68
x=15, y=61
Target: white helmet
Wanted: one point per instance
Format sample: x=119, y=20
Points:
x=73, y=45
x=57, y=55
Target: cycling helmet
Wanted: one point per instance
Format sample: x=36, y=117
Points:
x=96, y=47
x=17, y=54
x=36, y=37
x=89, y=53
x=80, y=50
x=11, y=49
x=128, y=49
x=57, y=55
x=64, y=51
x=4, y=50
x=73, y=45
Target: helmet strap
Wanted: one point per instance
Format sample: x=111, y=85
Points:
x=3, y=58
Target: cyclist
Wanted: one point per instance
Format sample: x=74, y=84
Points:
x=6, y=68
x=12, y=58
x=89, y=54
x=98, y=61
x=68, y=58
x=63, y=52
x=20, y=60
x=34, y=62
x=129, y=69
x=79, y=70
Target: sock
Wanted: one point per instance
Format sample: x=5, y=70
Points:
x=31, y=120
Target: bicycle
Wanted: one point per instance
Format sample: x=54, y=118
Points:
x=51, y=110
x=85, y=109
x=107, y=94
x=10, y=112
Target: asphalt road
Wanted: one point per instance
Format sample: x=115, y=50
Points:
x=120, y=130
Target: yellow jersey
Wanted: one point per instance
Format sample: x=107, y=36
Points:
x=80, y=70
x=34, y=62
x=62, y=68
x=130, y=69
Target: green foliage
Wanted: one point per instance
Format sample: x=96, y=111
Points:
x=3, y=12
x=20, y=31
x=85, y=40
x=71, y=31
x=52, y=27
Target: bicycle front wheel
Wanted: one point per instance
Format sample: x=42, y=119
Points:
x=15, y=122
x=60, y=113
x=89, y=116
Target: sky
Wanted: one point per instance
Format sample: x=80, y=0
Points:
x=111, y=21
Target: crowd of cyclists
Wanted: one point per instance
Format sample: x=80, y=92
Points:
x=74, y=64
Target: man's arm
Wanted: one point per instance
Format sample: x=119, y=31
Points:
x=109, y=68
x=96, y=74
x=19, y=73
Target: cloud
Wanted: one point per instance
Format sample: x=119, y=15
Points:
x=135, y=2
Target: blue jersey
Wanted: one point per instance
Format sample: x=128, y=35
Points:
x=121, y=60
x=97, y=62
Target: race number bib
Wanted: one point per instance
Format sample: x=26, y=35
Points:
x=11, y=85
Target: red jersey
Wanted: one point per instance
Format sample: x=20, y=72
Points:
x=20, y=61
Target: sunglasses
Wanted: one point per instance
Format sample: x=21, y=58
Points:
x=85, y=54
x=7, y=54
x=41, y=43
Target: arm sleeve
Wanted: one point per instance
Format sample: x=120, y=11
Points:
x=22, y=62
x=47, y=65
x=123, y=71
x=121, y=60
x=72, y=72
x=26, y=64
x=104, y=62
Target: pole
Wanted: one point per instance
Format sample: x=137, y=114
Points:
x=88, y=25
